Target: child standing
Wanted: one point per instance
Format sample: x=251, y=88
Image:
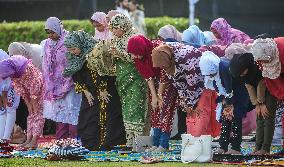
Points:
x=9, y=102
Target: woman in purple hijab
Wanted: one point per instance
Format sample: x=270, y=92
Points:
x=27, y=81
x=61, y=102
x=225, y=34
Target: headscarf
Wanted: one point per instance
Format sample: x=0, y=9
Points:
x=193, y=36
x=120, y=21
x=209, y=64
x=210, y=39
x=30, y=51
x=100, y=17
x=228, y=34
x=54, y=62
x=140, y=45
x=55, y=25
x=237, y=48
x=243, y=61
x=6, y=83
x=83, y=41
x=169, y=31
x=3, y=55
x=13, y=67
x=162, y=57
x=266, y=49
x=112, y=13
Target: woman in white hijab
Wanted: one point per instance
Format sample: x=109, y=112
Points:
x=233, y=100
x=30, y=51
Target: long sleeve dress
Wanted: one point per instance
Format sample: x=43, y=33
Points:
x=190, y=85
x=131, y=88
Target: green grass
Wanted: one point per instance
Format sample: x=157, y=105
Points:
x=43, y=163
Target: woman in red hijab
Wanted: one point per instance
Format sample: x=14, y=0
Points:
x=162, y=94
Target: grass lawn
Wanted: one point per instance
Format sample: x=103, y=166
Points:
x=42, y=163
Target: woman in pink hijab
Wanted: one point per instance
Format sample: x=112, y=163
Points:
x=61, y=103
x=99, y=21
x=225, y=34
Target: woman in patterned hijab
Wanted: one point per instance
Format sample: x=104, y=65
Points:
x=130, y=85
x=100, y=112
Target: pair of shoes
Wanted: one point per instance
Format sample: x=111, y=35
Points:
x=160, y=150
x=260, y=152
x=233, y=152
x=220, y=151
x=151, y=149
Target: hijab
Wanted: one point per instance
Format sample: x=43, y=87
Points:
x=194, y=36
x=30, y=51
x=13, y=67
x=170, y=32
x=243, y=61
x=163, y=57
x=266, y=49
x=83, y=41
x=100, y=17
x=237, y=48
x=228, y=34
x=140, y=45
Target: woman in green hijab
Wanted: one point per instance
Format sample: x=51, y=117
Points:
x=131, y=87
x=100, y=124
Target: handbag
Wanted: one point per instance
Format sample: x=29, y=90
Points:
x=196, y=149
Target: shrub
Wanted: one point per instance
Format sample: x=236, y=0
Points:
x=33, y=31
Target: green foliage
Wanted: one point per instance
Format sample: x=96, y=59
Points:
x=33, y=32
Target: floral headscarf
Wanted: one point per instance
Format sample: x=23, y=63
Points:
x=228, y=34
x=83, y=41
x=120, y=21
x=266, y=49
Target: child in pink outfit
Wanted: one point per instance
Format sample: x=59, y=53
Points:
x=27, y=81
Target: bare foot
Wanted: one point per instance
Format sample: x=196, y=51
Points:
x=220, y=151
x=233, y=152
x=24, y=144
x=31, y=145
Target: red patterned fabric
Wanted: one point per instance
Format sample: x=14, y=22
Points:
x=276, y=86
x=204, y=123
x=140, y=45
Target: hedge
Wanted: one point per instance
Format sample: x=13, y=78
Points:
x=33, y=31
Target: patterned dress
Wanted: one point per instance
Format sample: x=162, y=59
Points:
x=190, y=85
x=30, y=87
x=131, y=86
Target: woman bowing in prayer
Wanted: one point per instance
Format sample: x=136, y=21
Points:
x=131, y=87
x=195, y=37
x=30, y=51
x=27, y=81
x=181, y=65
x=232, y=103
x=61, y=103
x=100, y=121
x=162, y=96
x=225, y=34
